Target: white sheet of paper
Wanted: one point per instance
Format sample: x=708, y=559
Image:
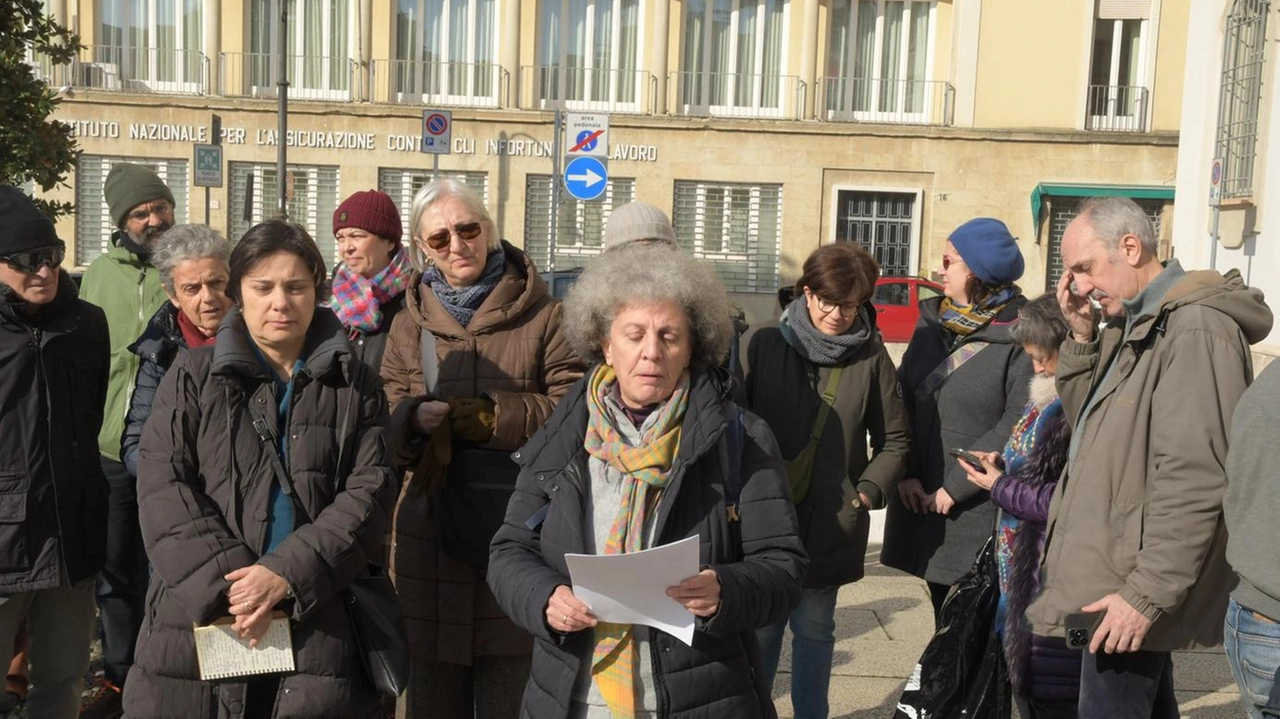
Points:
x=632, y=588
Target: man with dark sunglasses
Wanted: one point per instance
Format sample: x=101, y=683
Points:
x=54, y=349
x=126, y=286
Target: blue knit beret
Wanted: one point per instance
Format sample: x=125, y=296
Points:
x=989, y=249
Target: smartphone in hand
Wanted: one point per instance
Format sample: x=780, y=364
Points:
x=967, y=457
x=1080, y=628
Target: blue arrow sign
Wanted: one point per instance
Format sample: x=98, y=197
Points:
x=585, y=177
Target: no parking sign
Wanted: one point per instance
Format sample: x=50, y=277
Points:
x=437, y=128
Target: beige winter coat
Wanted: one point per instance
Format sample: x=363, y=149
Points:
x=514, y=352
x=1139, y=509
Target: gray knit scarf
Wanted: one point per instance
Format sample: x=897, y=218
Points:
x=822, y=349
x=462, y=302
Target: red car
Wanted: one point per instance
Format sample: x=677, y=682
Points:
x=897, y=303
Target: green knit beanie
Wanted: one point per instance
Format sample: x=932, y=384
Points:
x=129, y=185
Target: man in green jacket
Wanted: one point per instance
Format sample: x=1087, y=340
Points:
x=1135, y=531
x=125, y=285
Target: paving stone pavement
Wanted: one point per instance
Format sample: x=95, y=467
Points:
x=884, y=621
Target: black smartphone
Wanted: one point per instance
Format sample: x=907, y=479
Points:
x=1080, y=628
x=967, y=457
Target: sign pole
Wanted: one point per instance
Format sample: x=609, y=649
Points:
x=555, y=194
x=435, y=166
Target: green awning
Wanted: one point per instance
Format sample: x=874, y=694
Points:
x=1057, y=189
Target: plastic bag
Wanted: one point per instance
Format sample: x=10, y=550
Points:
x=962, y=673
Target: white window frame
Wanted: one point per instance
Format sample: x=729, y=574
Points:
x=618, y=191
x=917, y=215
x=298, y=58
x=1112, y=119
x=898, y=113
x=706, y=78
x=317, y=219
x=149, y=79
x=559, y=65
x=407, y=183
x=690, y=224
x=451, y=90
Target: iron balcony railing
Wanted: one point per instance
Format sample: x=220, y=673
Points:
x=424, y=82
x=311, y=77
x=141, y=69
x=1117, y=108
x=550, y=87
x=728, y=94
x=895, y=102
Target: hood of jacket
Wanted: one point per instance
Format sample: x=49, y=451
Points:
x=1227, y=294
x=518, y=290
x=326, y=349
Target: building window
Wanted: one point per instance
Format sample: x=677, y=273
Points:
x=736, y=227
x=1117, y=97
x=446, y=52
x=587, y=55
x=311, y=196
x=402, y=185
x=148, y=46
x=879, y=55
x=580, y=231
x=1240, y=97
x=93, y=218
x=316, y=46
x=732, y=58
x=886, y=224
x=1062, y=210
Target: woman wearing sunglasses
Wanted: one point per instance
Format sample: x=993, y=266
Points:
x=472, y=368
x=964, y=381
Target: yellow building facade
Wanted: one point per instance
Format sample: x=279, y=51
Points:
x=764, y=127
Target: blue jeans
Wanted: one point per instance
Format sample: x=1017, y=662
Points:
x=1253, y=649
x=813, y=641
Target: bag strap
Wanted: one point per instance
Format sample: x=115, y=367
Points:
x=271, y=446
x=828, y=399
x=733, y=482
x=948, y=366
x=430, y=362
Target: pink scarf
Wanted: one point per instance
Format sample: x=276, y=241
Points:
x=358, y=300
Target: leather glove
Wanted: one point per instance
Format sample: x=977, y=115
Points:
x=473, y=419
x=434, y=464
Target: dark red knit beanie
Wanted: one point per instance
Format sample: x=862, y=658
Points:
x=371, y=211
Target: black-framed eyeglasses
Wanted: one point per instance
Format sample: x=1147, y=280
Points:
x=33, y=260
x=847, y=309
x=439, y=239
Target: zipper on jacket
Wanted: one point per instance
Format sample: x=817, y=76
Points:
x=36, y=339
x=658, y=683
x=138, y=330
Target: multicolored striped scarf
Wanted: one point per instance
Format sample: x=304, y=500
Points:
x=358, y=300
x=645, y=469
x=964, y=320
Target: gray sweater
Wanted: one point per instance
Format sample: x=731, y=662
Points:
x=1253, y=494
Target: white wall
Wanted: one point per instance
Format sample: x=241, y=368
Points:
x=1259, y=258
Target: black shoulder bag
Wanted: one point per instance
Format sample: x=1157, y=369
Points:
x=370, y=600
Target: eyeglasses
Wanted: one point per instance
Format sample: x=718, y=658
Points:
x=143, y=214
x=33, y=260
x=948, y=261
x=847, y=309
x=439, y=239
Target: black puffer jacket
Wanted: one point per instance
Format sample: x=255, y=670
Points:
x=975, y=409
x=369, y=347
x=157, y=348
x=204, y=486
x=760, y=582
x=53, y=384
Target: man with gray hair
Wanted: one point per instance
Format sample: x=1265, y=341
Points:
x=193, y=264
x=1135, y=535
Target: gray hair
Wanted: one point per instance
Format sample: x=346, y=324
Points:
x=1041, y=324
x=1114, y=217
x=636, y=274
x=181, y=243
x=435, y=191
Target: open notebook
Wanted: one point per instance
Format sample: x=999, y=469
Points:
x=223, y=654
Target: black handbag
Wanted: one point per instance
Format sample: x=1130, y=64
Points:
x=373, y=608
x=962, y=673
x=471, y=504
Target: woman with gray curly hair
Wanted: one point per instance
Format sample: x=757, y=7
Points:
x=192, y=261
x=646, y=450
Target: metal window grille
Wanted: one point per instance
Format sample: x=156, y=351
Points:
x=580, y=230
x=93, y=218
x=311, y=196
x=402, y=185
x=1240, y=97
x=884, y=223
x=1065, y=209
x=736, y=227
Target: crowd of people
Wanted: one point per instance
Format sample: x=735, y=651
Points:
x=234, y=433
